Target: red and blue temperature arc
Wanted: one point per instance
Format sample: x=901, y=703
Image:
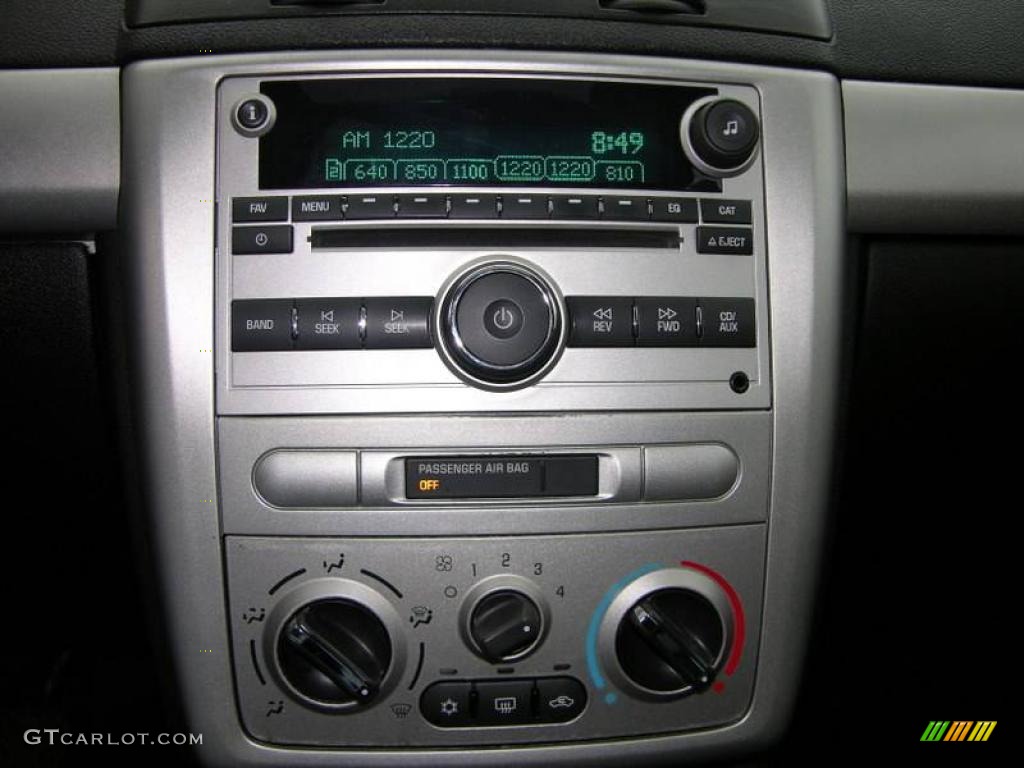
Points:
x=739, y=622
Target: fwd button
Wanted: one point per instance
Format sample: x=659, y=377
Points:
x=666, y=322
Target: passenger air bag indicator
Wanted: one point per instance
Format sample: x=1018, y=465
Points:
x=499, y=477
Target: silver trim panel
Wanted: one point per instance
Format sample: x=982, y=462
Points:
x=60, y=150
x=933, y=159
x=169, y=166
x=685, y=472
x=307, y=478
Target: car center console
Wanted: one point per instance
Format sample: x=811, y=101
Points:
x=484, y=400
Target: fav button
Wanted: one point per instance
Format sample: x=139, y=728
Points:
x=447, y=704
x=504, y=702
x=259, y=209
x=560, y=699
x=401, y=322
x=600, y=321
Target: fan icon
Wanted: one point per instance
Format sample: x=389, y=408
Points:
x=449, y=707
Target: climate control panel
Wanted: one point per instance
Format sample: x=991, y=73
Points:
x=493, y=640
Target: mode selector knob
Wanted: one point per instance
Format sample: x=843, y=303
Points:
x=721, y=136
x=335, y=654
x=500, y=325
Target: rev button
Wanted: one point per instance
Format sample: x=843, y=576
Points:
x=600, y=321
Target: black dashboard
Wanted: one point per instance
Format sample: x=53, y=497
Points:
x=509, y=383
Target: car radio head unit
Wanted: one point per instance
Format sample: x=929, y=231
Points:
x=583, y=241
x=478, y=131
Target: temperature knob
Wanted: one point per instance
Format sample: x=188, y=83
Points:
x=666, y=635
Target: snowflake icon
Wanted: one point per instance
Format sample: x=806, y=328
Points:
x=449, y=707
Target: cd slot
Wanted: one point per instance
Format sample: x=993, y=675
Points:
x=496, y=237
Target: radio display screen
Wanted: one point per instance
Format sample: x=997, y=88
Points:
x=478, y=132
